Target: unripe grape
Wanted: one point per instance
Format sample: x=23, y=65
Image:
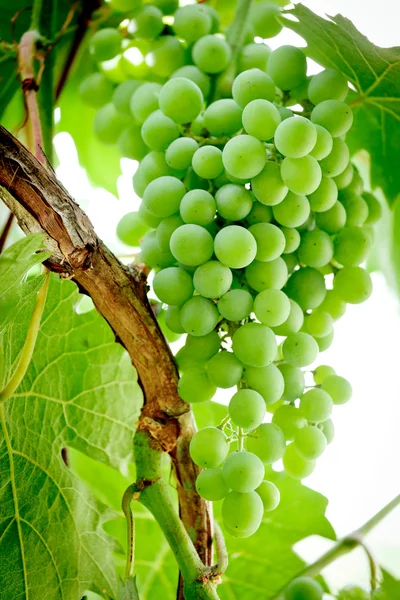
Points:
x=287, y=66
x=195, y=386
x=269, y=495
x=289, y=419
x=211, y=485
x=131, y=229
x=254, y=344
x=243, y=471
x=267, y=442
x=105, y=44
x=300, y=349
x=316, y=405
x=247, y=409
x=304, y=588
x=242, y=513
x=199, y=316
x=209, y=448
x=295, y=465
x=253, y=84
x=338, y=388
x=235, y=305
x=310, y=442
x=211, y=54
x=353, y=284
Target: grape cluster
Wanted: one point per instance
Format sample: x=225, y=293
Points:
x=254, y=222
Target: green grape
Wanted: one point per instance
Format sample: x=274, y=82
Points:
x=243, y=472
x=285, y=112
x=287, y=66
x=96, y=90
x=173, y=319
x=254, y=345
x=289, y=419
x=168, y=7
x=242, y=513
x=325, y=342
x=292, y=239
x=332, y=220
x=131, y=229
x=173, y=286
x=224, y=369
x=167, y=54
x=194, y=74
x=105, y=44
x=295, y=465
x=324, y=196
x=260, y=119
x=185, y=360
x=195, y=386
x=267, y=442
x=191, y=244
x=170, y=336
x=270, y=241
x=192, y=22
x=263, y=19
x=300, y=349
x=333, y=115
x=338, y=388
x=245, y=156
x=316, y=405
x=356, y=186
x=235, y=247
x=345, y=177
x=180, y=152
x=235, y=305
x=223, y=117
x=193, y=182
x=269, y=495
x=146, y=23
x=268, y=186
x=301, y=175
x=291, y=261
x=266, y=275
x=165, y=229
x=209, y=448
x=123, y=5
x=327, y=85
x=130, y=143
x=293, y=323
x=337, y=160
x=212, y=279
x=150, y=220
x=152, y=255
x=304, y=588
x=204, y=347
x=328, y=430
x=316, y=248
x=132, y=63
x=322, y=372
x=197, y=207
x=295, y=137
x=199, y=316
x=293, y=381
x=211, y=54
x=353, y=284
x=319, y=323
x=181, y=99
x=267, y=381
x=122, y=96
x=356, y=209
x=293, y=211
x=252, y=84
x=158, y=131
x=207, y=162
x=306, y=287
x=272, y=307
x=152, y=166
x=234, y=202
x=247, y=409
x=254, y=56
x=323, y=145
x=374, y=208
x=259, y=213
x=163, y=195
x=211, y=485
x=144, y=101
x=108, y=124
x=352, y=245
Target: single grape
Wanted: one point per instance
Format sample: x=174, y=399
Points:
x=293, y=211
x=158, y=131
x=293, y=380
x=325, y=342
x=352, y=245
x=234, y=202
x=374, y=208
x=268, y=186
x=332, y=220
x=295, y=137
x=207, y=162
x=180, y=152
x=267, y=442
x=327, y=85
x=199, y=316
x=131, y=63
x=345, y=177
x=263, y=19
x=212, y=279
x=144, y=101
x=224, y=369
x=293, y=323
x=353, y=284
x=356, y=208
x=324, y=196
x=289, y=419
x=254, y=56
x=198, y=207
x=130, y=143
x=272, y=307
x=252, y=84
x=306, y=287
x=96, y=90
x=105, y=44
x=269, y=495
x=122, y=96
x=151, y=254
x=247, y=409
x=301, y=175
x=185, y=360
x=211, y=485
x=316, y=405
x=167, y=54
x=198, y=77
x=337, y=160
x=267, y=275
x=173, y=286
x=165, y=229
x=181, y=99
x=295, y=465
x=192, y=22
x=152, y=166
x=285, y=112
x=215, y=18
x=333, y=115
x=108, y=124
x=310, y=442
x=191, y=245
x=223, y=117
x=243, y=471
x=270, y=241
x=211, y=54
x=209, y=448
x=260, y=119
x=322, y=372
x=173, y=319
x=259, y=214
x=169, y=335
x=323, y=145
x=235, y=246
x=300, y=349
x=131, y=229
x=254, y=345
x=287, y=66
x=316, y=248
x=319, y=323
x=244, y=156
x=292, y=239
x=147, y=23
x=338, y=388
x=304, y=588
x=328, y=430
x=204, y=347
x=267, y=381
x=195, y=386
x=242, y=513
x=235, y=305
x=163, y=195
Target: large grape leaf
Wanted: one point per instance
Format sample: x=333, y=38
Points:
x=80, y=391
x=375, y=74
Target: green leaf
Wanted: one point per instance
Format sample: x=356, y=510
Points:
x=80, y=391
x=127, y=589
x=390, y=588
x=375, y=74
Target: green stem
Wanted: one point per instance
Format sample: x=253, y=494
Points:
x=29, y=346
x=237, y=31
x=221, y=551
x=345, y=545
x=130, y=526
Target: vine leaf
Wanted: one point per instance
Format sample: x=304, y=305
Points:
x=375, y=74
x=80, y=391
x=389, y=589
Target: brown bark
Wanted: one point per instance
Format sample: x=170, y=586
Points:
x=41, y=204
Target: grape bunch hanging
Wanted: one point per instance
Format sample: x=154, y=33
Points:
x=254, y=222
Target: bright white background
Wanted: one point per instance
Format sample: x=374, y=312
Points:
x=359, y=472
